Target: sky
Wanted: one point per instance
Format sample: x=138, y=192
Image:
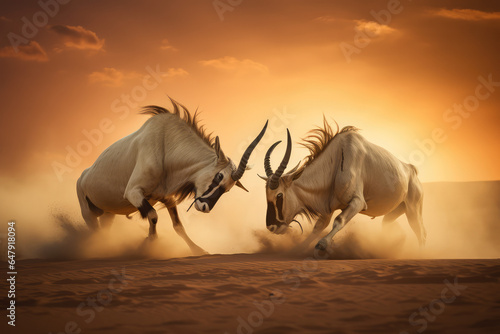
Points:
x=420, y=78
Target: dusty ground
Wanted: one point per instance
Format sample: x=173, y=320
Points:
x=259, y=293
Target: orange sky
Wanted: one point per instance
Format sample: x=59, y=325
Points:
x=265, y=59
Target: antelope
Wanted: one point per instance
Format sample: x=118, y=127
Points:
x=343, y=172
x=169, y=159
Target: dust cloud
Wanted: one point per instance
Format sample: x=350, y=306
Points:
x=462, y=221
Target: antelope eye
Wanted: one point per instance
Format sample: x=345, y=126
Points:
x=219, y=177
x=280, y=195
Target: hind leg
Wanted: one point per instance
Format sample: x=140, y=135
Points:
x=393, y=215
x=106, y=220
x=392, y=234
x=90, y=219
x=388, y=222
x=414, y=204
x=89, y=215
x=417, y=224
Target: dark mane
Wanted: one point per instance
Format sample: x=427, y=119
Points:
x=317, y=141
x=191, y=121
x=185, y=191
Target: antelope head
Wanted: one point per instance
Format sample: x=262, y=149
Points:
x=223, y=176
x=282, y=202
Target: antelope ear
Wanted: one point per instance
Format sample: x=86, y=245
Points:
x=297, y=174
x=217, y=146
x=262, y=177
x=218, y=150
x=238, y=183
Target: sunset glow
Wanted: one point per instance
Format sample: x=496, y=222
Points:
x=353, y=242
x=401, y=76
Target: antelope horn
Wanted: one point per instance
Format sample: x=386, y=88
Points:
x=267, y=160
x=237, y=174
x=274, y=181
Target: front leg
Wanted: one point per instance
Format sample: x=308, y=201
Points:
x=174, y=215
x=136, y=197
x=356, y=205
x=141, y=180
x=320, y=225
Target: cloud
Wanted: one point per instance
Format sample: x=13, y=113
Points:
x=373, y=29
x=326, y=19
x=165, y=45
x=467, y=14
x=233, y=64
x=78, y=37
x=176, y=72
x=110, y=77
x=33, y=51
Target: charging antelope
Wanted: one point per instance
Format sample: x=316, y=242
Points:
x=343, y=171
x=167, y=160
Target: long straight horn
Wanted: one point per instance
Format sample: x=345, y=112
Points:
x=267, y=160
x=237, y=174
x=274, y=181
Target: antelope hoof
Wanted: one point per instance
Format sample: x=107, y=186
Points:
x=322, y=245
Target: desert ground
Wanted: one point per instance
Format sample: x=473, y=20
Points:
x=369, y=283
x=259, y=293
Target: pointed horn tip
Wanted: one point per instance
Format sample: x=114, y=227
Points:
x=262, y=177
x=275, y=144
x=238, y=184
x=246, y=155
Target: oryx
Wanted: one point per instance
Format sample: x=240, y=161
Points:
x=343, y=171
x=168, y=159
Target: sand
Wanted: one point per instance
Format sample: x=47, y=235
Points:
x=258, y=293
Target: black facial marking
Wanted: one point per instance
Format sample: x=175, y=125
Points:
x=342, y=162
x=215, y=182
x=271, y=214
x=212, y=199
x=144, y=208
x=279, y=204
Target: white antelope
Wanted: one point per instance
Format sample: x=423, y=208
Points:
x=168, y=159
x=343, y=171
